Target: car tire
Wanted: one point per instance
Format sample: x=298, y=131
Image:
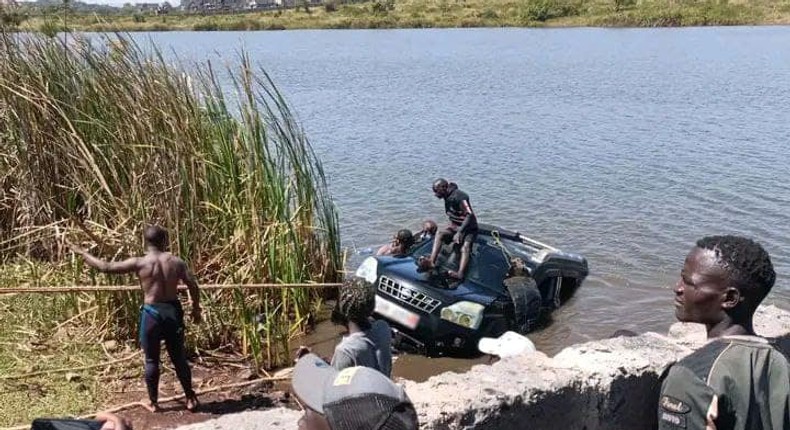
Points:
x=527, y=302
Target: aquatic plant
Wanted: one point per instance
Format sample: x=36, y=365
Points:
x=101, y=136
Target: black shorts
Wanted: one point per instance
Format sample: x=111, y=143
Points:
x=469, y=236
x=161, y=321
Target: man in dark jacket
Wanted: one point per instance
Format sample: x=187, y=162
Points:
x=738, y=380
x=462, y=229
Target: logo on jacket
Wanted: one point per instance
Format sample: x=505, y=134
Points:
x=671, y=404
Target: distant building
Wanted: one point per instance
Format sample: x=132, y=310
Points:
x=164, y=9
x=146, y=7
x=262, y=4
x=188, y=5
x=219, y=6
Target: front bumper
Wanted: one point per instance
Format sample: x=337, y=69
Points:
x=431, y=333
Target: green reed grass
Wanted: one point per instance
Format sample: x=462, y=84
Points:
x=98, y=138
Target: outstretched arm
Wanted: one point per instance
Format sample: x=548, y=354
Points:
x=126, y=266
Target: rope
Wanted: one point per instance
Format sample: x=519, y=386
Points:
x=95, y=288
x=498, y=242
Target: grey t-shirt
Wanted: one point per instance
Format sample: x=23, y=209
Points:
x=369, y=348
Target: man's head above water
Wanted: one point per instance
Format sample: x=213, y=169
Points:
x=404, y=239
x=723, y=280
x=429, y=227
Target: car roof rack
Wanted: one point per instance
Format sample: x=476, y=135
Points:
x=535, y=249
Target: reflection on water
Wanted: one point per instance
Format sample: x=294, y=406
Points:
x=622, y=145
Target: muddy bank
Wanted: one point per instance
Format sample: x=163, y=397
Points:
x=326, y=335
x=605, y=384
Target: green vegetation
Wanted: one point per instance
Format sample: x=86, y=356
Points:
x=96, y=140
x=459, y=13
x=27, y=347
x=11, y=18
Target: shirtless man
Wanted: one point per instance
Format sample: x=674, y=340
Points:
x=161, y=317
x=400, y=245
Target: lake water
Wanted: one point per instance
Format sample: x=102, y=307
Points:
x=623, y=145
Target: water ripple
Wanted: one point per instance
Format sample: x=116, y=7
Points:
x=626, y=146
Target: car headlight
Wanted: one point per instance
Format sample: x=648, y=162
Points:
x=368, y=270
x=466, y=314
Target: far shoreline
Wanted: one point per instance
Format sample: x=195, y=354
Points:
x=546, y=28
x=431, y=14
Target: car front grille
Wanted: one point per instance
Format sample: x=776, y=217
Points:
x=408, y=295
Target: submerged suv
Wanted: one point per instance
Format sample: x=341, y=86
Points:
x=437, y=314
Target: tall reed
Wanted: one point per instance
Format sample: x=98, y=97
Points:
x=99, y=137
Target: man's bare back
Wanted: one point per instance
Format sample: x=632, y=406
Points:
x=160, y=273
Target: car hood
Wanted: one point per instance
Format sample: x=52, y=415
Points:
x=406, y=269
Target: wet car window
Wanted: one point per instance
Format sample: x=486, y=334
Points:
x=489, y=265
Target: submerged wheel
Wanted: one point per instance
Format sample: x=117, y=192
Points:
x=526, y=302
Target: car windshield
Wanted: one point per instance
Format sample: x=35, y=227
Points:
x=488, y=265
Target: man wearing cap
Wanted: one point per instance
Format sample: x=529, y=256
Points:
x=738, y=380
x=355, y=398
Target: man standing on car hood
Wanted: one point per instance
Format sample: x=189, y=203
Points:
x=462, y=229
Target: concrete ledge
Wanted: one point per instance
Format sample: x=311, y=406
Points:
x=279, y=418
x=607, y=384
x=603, y=384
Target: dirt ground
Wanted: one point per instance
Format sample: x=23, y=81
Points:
x=206, y=374
x=122, y=384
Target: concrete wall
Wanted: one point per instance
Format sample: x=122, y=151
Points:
x=608, y=384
